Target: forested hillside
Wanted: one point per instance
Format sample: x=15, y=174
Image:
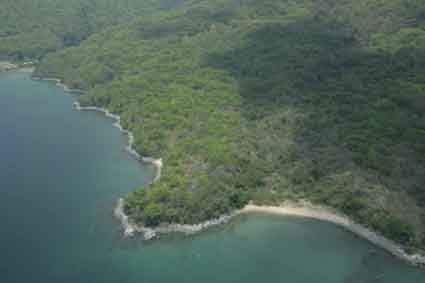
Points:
x=31, y=28
x=266, y=101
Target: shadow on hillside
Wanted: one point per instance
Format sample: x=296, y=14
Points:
x=361, y=107
x=277, y=60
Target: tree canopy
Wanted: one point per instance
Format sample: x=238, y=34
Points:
x=264, y=101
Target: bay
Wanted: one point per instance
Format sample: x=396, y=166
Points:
x=61, y=172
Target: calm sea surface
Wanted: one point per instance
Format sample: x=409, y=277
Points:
x=61, y=172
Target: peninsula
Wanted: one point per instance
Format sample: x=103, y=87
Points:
x=252, y=102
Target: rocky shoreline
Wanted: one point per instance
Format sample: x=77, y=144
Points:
x=301, y=209
x=8, y=66
x=156, y=162
x=130, y=229
x=60, y=84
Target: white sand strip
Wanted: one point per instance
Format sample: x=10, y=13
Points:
x=305, y=209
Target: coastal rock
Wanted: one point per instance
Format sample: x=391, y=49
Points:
x=303, y=209
x=60, y=84
x=123, y=218
x=129, y=228
x=6, y=66
x=151, y=233
x=130, y=147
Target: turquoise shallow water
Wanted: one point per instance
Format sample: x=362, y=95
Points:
x=61, y=172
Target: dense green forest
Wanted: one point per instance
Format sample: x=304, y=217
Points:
x=31, y=29
x=265, y=101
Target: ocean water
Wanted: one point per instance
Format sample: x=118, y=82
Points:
x=61, y=172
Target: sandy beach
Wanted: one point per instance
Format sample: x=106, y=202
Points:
x=298, y=209
x=308, y=210
x=302, y=209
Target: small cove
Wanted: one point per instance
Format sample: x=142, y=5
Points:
x=61, y=172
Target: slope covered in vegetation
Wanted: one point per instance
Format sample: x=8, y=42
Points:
x=30, y=29
x=267, y=101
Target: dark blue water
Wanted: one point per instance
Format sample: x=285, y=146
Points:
x=61, y=172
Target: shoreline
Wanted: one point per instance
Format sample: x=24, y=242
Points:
x=301, y=209
x=6, y=66
x=129, y=148
x=305, y=209
x=293, y=209
x=59, y=83
x=130, y=229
